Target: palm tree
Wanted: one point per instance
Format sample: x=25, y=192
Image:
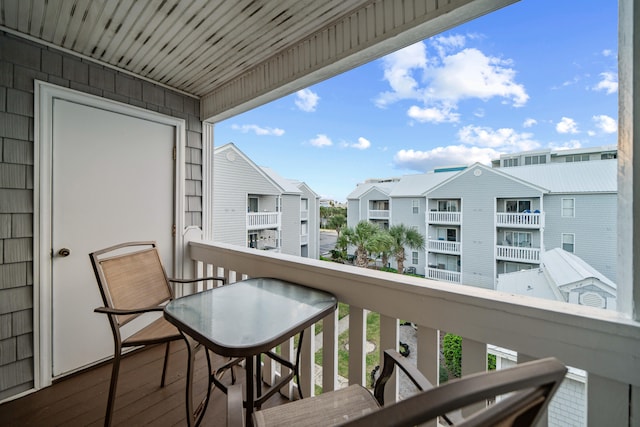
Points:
x=404, y=237
x=337, y=222
x=382, y=243
x=363, y=237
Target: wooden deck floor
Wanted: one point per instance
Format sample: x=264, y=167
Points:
x=81, y=400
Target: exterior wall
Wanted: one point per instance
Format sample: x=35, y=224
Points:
x=402, y=213
x=353, y=212
x=21, y=62
x=233, y=181
x=478, y=205
x=595, y=219
x=313, y=221
x=290, y=230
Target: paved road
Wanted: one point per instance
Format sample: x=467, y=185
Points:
x=327, y=241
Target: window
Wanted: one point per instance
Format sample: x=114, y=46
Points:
x=607, y=156
x=414, y=257
x=253, y=204
x=415, y=206
x=517, y=238
x=568, y=208
x=447, y=206
x=517, y=205
x=507, y=163
x=534, y=160
x=448, y=234
x=568, y=242
x=512, y=267
x=304, y=228
x=304, y=204
x=577, y=158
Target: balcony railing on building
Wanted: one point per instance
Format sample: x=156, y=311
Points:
x=436, y=217
x=263, y=220
x=304, y=215
x=515, y=253
x=378, y=213
x=444, y=275
x=444, y=246
x=605, y=344
x=520, y=220
x=304, y=239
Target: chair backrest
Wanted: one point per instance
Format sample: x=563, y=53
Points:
x=531, y=385
x=133, y=279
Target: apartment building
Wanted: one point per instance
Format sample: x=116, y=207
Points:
x=255, y=207
x=481, y=222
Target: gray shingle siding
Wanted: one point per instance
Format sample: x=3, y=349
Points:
x=22, y=61
x=291, y=224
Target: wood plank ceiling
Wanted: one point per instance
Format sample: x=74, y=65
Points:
x=202, y=46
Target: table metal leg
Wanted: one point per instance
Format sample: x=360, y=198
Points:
x=195, y=417
x=250, y=392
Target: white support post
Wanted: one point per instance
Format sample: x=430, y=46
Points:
x=330, y=334
x=357, y=337
x=607, y=402
x=474, y=359
x=428, y=361
x=389, y=336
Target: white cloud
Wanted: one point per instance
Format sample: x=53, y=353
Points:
x=609, y=83
x=605, y=123
x=567, y=125
x=425, y=161
x=362, y=144
x=565, y=145
x=607, y=52
x=258, y=130
x=529, y=122
x=441, y=80
x=307, y=100
x=504, y=139
x=398, y=72
x=471, y=74
x=321, y=140
x=433, y=114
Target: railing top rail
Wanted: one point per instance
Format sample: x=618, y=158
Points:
x=603, y=342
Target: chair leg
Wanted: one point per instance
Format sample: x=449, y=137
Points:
x=112, y=387
x=166, y=362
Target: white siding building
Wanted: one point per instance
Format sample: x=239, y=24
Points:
x=254, y=206
x=481, y=222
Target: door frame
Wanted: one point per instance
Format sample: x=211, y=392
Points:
x=44, y=95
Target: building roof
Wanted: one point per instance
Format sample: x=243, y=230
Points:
x=565, y=268
x=415, y=185
x=288, y=186
x=576, y=177
x=362, y=188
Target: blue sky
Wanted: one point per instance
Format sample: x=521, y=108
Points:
x=518, y=79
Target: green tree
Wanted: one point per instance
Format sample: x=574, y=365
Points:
x=336, y=222
x=363, y=236
x=404, y=237
x=382, y=244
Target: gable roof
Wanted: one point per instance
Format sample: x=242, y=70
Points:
x=366, y=187
x=565, y=268
x=288, y=186
x=418, y=185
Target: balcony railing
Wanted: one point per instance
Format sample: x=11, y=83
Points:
x=444, y=246
x=605, y=344
x=263, y=220
x=520, y=220
x=379, y=213
x=443, y=275
x=445, y=217
x=515, y=253
x=304, y=215
x=304, y=239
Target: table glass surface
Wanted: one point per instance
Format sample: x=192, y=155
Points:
x=249, y=316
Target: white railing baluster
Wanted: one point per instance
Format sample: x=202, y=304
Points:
x=428, y=358
x=357, y=350
x=307, y=362
x=330, y=352
x=474, y=359
x=389, y=336
x=607, y=402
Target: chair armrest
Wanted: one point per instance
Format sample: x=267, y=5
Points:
x=391, y=359
x=120, y=311
x=201, y=279
x=235, y=411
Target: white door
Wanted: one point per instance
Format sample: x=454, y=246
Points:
x=112, y=181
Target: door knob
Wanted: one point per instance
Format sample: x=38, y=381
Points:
x=64, y=252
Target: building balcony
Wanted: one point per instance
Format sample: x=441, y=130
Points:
x=444, y=246
x=304, y=239
x=517, y=254
x=453, y=218
x=443, y=275
x=304, y=215
x=263, y=220
x=378, y=213
x=520, y=220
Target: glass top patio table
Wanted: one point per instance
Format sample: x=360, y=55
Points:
x=249, y=317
